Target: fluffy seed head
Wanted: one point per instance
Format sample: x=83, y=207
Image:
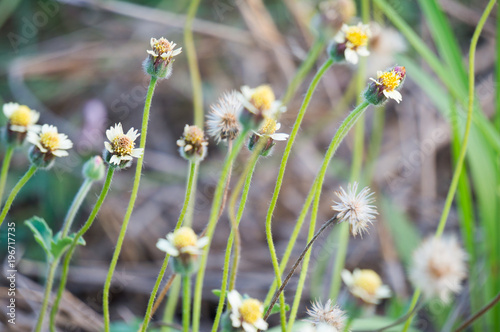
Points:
x=328, y=314
x=438, y=267
x=222, y=121
x=356, y=209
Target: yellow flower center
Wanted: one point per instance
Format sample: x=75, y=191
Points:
x=162, y=46
x=262, y=97
x=269, y=126
x=193, y=135
x=21, y=116
x=368, y=280
x=184, y=237
x=390, y=80
x=250, y=310
x=50, y=140
x=123, y=145
x=357, y=36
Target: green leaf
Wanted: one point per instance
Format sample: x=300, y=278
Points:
x=376, y=322
x=42, y=233
x=60, y=246
x=216, y=292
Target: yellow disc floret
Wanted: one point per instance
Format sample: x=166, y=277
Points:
x=123, y=145
x=263, y=97
x=21, y=116
x=357, y=36
x=193, y=135
x=50, y=140
x=161, y=46
x=269, y=126
x=369, y=281
x=184, y=237
x=251, y=310
x=390, y=80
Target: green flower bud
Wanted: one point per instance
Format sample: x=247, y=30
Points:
x=159, y=61
x=94, y=169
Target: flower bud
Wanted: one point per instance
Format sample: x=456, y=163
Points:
x=159, y=62
x=94, y=169
x=268, y=133
x=386, y=86
x=192, y=144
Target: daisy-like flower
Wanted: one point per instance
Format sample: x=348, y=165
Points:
x=192, y=144
x=160, y=59
x=47, y=144
x=20, y=120
x=327, y=318
x=336, y=13
x=356, y=209
x=267, y=132
x=184, y=246
x=121, y=147
x=438, y=268
x=366, y=285
x=246, y=313
x=351, y=42
x=259, y=103
x=222, y=121
x=386, y=86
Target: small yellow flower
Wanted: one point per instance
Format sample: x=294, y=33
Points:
x=121, y=147
x=182, y=241
x=50, y=142
x=261, y=101
x=192, y=144
x=355, y=41
x=159, y=62
x=246, y=313
x=163, y=49
x=20, y=117
x=366, y=285
x=387, y=84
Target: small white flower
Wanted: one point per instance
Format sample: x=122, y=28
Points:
x=270, y=128
x=21, y=118
x=246, y=313
x=49, y=141
x=326, y=318
x=182, y=241
x=163, y=48
x=122, y=146
x=261, y=101
x=388, y=82
x=193, y=145
x=438, y=268
x=356, y=209
x=222, y=121
x=366, y=285
x=356, y=39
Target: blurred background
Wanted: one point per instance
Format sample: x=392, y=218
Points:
x=79, y=63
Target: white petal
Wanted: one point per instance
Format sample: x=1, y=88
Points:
x=166, y=246
x=261, y=324
x=108, y=147
x=202, y=242
x=248, y=327
x=279, y=136
x=234, y=299
x=363, y=51
x=115, y=160
x=60, y=153
x=19, y=129
x=235, y=318
x=351, y=56
x=137, y=153
x=347, y=278
x=9, y=108
x=35, y=116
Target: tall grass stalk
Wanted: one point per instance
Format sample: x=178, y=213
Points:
x=130, y=208
x=5, y=169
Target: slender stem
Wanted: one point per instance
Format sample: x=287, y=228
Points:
x=186, y=302
x=193, y=170
x=296, y=265
x=304, y=69
x=46, y=295
x=130, y=208
x=478, y=314
x=15, y=191
x=5, y=169
x=228, y=180
x=194, y=70
x=343, y=242
x=463, y=150
x=413, y=304
x=279, y=181
x=75, y=206
x=212, y=222
x=69, y=254
x=171, y=306
x=235, y=220
x=397, y=322
x=163, y=292
x=497, y=73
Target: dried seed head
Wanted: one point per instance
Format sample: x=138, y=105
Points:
x=223, y=119
x=329, y=314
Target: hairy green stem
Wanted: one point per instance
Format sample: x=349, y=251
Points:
x=75, y=206
x=186, y=302
x=193, y=170
x=5, y=169
x=46, y=295
x=194, y=70
x=214, y=216
x=130, y=208
x=15, y=191
x=69, y=254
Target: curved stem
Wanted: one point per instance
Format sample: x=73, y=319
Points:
x=279, y=181
x=214, y=217
x=186, y=302
x=296, y=264
x=235, y=220
x=5, y=169
x=163, y=292
x=413, y=304
x=69, y=254
x=130, y=208
x=478, y=314
x=15, y=191
x=75, y=206
x=339, y=260
x=46, y=295
x=193, y=170
x=194, y=70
